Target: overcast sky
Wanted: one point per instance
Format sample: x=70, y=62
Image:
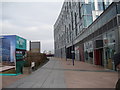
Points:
x=30, y=20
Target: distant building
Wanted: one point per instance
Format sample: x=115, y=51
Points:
x=35, y=46
x=13, y=49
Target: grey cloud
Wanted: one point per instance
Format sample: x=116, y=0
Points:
x=33, y=21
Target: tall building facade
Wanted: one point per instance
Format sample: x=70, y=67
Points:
x=84, y=31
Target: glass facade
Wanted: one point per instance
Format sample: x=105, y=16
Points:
x=8, y=48
x=88, y=51
x=5, y=49
x=86, y=9
x=100, y=5
x=104, y=19
x=93, y=5
x=84, y=31
x=107, y=3
x=87, y=20
x=109, y=49
x=118, y=8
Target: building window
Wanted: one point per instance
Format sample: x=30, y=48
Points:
x=119, y=20
x=70, y=5
x=118, y=8
x=86, y=9
x=75, y=24
x=72, y=19
x=92, y=4
x=87, y=19
x=100, y=5
x=79, y=10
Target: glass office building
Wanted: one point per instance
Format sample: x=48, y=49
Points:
x=86, y=31
x=101, y=39
x=13, y=48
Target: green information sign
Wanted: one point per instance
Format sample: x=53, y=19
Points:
x=20, y=43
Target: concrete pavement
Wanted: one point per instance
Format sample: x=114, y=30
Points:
x=43, y=78
x=8, y=80
x=58, y=73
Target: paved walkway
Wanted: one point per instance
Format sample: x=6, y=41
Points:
x=43, y=78
x=84, y=75
x=58, y=73
x=8, y=80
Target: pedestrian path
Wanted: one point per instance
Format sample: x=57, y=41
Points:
x=43, y=78
x=59, y=73
x=85, y=75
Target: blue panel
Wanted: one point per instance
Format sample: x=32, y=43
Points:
x=8, y=48
x=5, y=49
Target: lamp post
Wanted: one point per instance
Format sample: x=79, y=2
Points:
x=72, y=38
x=65, y=51
x=72, y=50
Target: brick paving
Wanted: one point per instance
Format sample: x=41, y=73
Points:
x=8, y=80
x=58, y=73
x=88, y=75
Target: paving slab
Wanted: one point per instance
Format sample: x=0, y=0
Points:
x=85, y=75
x=43, y=78
x=58, y=73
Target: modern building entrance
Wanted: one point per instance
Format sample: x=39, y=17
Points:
x=98, y=57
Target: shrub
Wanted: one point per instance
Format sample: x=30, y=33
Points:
x=38, y=58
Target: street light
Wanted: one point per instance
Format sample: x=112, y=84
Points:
x=72, y=38
x=72, y=50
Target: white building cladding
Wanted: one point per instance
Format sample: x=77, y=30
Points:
x=73, y=31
